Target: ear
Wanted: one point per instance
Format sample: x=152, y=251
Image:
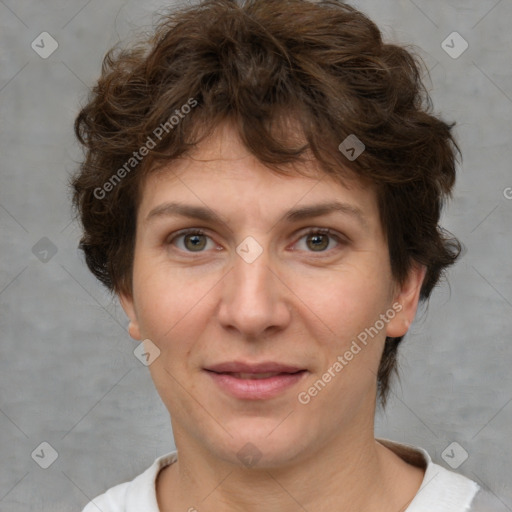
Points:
x=127, y=304
x=407, y=296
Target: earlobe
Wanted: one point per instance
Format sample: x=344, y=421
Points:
x=129, y=308
x=408, y=297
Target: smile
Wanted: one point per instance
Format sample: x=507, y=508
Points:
x=255, y=386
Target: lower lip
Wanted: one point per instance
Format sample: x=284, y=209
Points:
x=256, y=389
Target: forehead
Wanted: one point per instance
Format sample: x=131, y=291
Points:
x=222, y=174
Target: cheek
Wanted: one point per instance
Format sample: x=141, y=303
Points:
x=347, y=299
x=158, y=306
x=172, y=306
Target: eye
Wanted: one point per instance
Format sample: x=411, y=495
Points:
x=191, y=240
x=314, y=240
x=320, y=240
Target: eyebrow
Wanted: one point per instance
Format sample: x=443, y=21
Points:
x=183, y=210
x=318, y=210
x=174, y=209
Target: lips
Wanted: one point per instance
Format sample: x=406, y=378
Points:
x=254, y=375
x=255, y=381
x=256, y=368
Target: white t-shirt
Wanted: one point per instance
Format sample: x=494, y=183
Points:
x=441, y=490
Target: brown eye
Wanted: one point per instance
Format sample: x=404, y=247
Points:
x=317, y=241
x=320, y=240
x=191, y=241
x=195, y=242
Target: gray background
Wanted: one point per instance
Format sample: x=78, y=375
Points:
x=68, y=374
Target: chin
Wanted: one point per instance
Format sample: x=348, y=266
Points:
x=259, y=443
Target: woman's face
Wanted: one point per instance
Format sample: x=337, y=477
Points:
x=263, y=284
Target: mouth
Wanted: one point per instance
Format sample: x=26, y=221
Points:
x=257, y=376
x=255, y=382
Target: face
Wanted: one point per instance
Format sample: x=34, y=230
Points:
x=258, y=290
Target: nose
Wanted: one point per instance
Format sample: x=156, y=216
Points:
x=255, y=301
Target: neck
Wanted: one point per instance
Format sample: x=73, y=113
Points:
x=353, y=473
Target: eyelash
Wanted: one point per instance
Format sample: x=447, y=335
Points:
x=310, y=231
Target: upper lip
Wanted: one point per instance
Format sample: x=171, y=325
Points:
x=263, y=367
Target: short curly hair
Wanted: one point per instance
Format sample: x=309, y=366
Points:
x=259, y=64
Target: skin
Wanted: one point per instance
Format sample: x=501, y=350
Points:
x=294, y=304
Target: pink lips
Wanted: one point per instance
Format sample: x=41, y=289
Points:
x=255, y=381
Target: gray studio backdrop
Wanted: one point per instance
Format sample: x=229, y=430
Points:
x=78, y=411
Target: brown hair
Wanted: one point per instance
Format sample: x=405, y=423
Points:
x=259, y=64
